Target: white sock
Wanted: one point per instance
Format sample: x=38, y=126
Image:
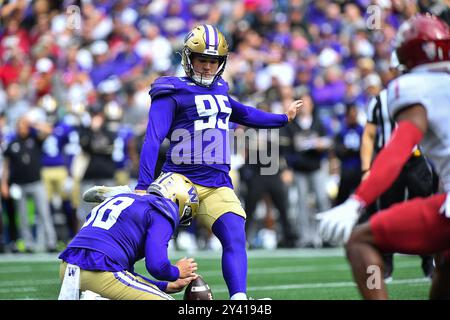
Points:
x=239, y=296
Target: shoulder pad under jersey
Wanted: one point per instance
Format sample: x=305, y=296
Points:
x=168, y=209
x=162, y=86
x=406, y=90
x=222, y=82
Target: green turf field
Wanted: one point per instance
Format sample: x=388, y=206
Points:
x=301, y=274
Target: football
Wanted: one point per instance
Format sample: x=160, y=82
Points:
x=198, y=289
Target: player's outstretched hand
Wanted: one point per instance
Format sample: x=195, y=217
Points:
x=177, y=286
x=335, y=225
x=293, y=109
x=187, y=267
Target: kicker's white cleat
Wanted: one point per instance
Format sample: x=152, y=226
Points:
x=98, y=194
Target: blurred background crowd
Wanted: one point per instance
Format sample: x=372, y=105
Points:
x=74, y=82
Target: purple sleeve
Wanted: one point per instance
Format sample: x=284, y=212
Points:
x=156, y=258
x=160, y=118
x=255, y=118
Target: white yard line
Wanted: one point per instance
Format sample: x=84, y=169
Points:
x=204, y=254
x=255, y=270
x=15, y=269
x=264, y=254
x=308, y=268
x=33, y=285
x=16, y=290
x=35, y=257
x=11, y=284
x=332, y=285
x=323, y=285
x=30, y=282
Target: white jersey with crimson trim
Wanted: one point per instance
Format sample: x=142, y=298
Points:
x=431, y=90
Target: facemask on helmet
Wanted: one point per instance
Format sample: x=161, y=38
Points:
x=204, y=41
x=394, y=64
x=181, y=191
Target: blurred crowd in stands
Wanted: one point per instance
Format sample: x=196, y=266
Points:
x=74, y=82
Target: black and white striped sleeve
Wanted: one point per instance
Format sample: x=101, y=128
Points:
x=373, y=109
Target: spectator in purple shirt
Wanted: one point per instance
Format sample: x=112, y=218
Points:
x=331, y=89
x=103, y=66
x=128, y=64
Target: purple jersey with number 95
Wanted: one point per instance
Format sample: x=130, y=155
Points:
x=196, y=121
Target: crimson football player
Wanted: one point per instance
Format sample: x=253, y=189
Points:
x=419, y=101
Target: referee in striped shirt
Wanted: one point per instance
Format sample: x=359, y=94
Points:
x=417, y=178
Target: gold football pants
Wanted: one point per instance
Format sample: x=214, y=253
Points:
x=120, y=285
x=214, y=202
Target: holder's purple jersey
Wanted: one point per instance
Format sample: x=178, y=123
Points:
x=196, y=121
x=124, y=229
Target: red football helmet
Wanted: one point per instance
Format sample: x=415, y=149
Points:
x=423, y=39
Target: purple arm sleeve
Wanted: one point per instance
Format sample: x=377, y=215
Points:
x=254, y=118
x=156, y=259
x=160, y=118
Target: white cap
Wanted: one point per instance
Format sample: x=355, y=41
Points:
x=84, y=58
x=328, y=57
x=109, y=85
x=364, y=48
x=129, y=16
x=10, y=41
x=384, y=4
x=44, y=65
x=372, y=79
x=99, y=47
x=113, y=111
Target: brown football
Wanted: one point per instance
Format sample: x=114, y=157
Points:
x=198, y=289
